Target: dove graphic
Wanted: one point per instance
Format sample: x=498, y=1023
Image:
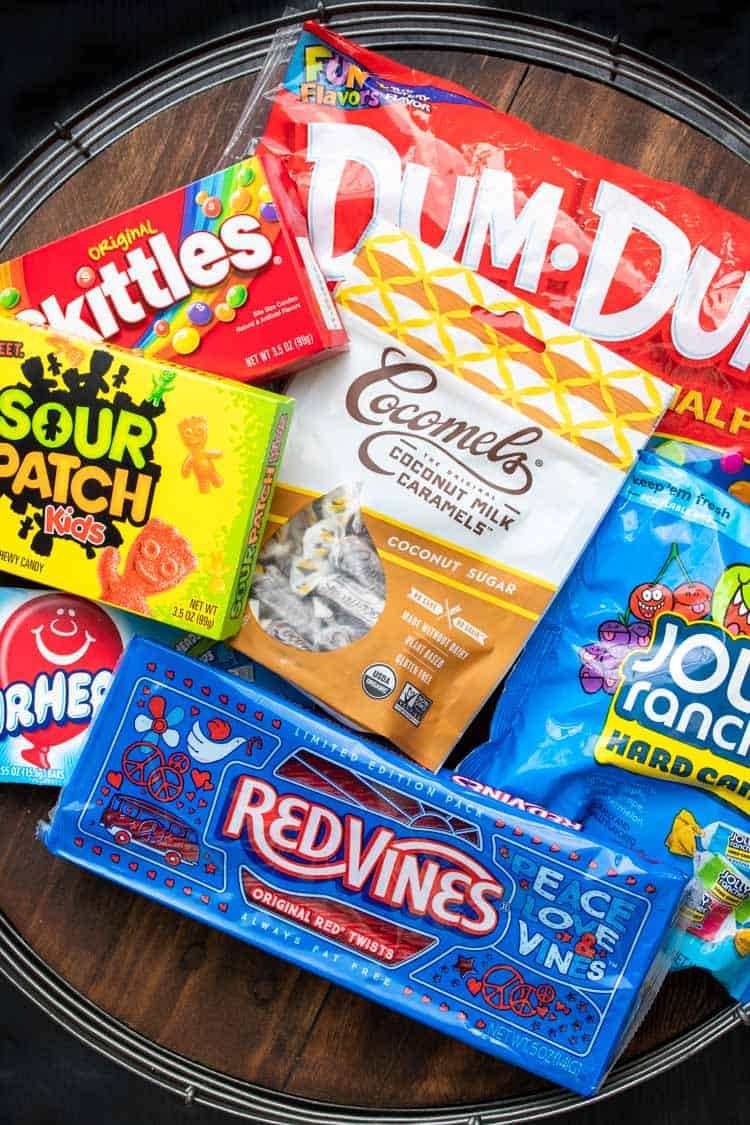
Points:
x=211, y=747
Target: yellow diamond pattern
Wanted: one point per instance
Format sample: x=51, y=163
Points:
x=418, y=297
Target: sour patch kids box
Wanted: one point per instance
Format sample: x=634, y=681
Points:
x=141, y=485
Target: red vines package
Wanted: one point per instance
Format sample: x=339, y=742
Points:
x=521, y=936
x=651, y=269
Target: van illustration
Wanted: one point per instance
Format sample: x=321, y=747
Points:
x=129, y=819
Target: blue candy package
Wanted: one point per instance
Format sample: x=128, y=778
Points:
x=57, y=654
x=518, y=934
x=629, y=709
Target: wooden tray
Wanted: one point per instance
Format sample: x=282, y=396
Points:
x=197, y=1011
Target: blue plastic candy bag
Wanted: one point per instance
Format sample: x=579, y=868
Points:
x=629, y=709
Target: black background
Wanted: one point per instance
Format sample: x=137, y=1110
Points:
x=55, y=57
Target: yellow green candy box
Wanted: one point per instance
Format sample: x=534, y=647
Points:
x=141, y=485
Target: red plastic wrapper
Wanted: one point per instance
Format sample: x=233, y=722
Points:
x=648, y=267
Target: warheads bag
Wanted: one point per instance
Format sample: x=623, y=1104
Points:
x=648, y=267
x=444, y=477
x=630, y=707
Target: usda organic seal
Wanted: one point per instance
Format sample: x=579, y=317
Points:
x=378, y=681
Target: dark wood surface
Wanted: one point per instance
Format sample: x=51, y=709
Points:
x=192, y=989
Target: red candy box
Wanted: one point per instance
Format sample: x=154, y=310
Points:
x=218, y=275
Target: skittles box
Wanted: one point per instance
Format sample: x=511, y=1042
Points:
x=516, y=933
x=57, y=654
x=138, y=484
x=218, y=275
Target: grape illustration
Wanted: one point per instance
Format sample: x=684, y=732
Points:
x=601, y=661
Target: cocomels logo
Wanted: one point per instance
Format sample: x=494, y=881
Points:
x=57, y=653
x=308, y=841
x=682, y=709
x=395, y=399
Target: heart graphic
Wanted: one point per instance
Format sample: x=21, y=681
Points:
x=480, y=1024
x=201, y=779
x=205, y=690
x=536, y=839
x=169, y=675
x=593, y=865
x=611, y=873
x=187, y=682
x=219, y=729
x=169, y=882
x=78, y=842
x=151, y=667
x=133, y=866
x=276, y=723
x=650, y=888
x=462, y=1016
x=223, y=907
x=180, y=804
x=187, y=890
x=574, y=856
x=115, y=857
x=96, y=850
x=151, y=874
x=146, y=689
x=242, y=708
x=630, y=881
x=443, y=1007
x=202, y=804
x=190, y=796
x=194, y=711
x=474, y=985
x=554, y=847
x=518, y=831
x=106, y=790
x=114, y=779
x=223, y=699
x=204, y=898
x=259, y=716
x=425, y=999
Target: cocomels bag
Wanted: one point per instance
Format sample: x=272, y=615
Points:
x=444, y=478
x=650, y=268
x=629, y=710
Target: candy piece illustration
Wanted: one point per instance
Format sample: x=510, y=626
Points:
x=52, y=634
x=9, y=298
x=650, y=598
x=740, y=489
x=692, y=600
x=158, y=560
x=160, y=384
x=684, y=834
x=200, y=461
x=731, y=601
x=742, y=942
